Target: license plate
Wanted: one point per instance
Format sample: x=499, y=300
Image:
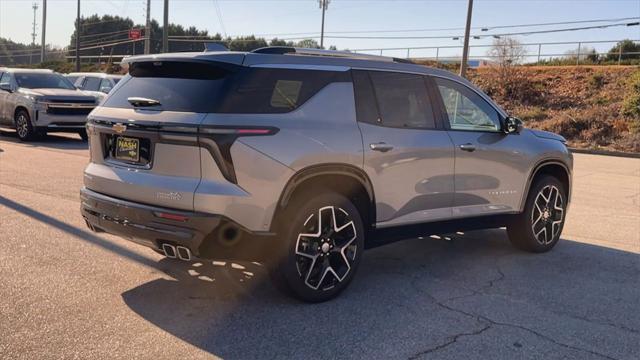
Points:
x=127, y=149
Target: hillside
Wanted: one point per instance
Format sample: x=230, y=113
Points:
x=593, y=107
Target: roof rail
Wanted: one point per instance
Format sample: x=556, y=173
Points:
x=286, y=50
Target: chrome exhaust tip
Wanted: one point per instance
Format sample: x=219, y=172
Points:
x=169, y=251
x=183, y=253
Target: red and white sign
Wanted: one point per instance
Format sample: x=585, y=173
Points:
x=135, y=34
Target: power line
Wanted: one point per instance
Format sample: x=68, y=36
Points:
x=219, y=13
x=484, y=28
x=105, y=33
x=478, y=36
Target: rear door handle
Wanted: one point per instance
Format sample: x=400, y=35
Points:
x=382, y=147
x=468, y=147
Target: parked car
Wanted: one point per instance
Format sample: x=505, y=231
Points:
x=303, y=158
x=39, y=101
x=99, y=84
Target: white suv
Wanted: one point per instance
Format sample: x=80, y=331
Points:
x=35, y=102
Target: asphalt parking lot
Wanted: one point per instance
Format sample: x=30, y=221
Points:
x=68, y=293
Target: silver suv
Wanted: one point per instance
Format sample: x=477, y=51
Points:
x=303, y=158
x=35, y=102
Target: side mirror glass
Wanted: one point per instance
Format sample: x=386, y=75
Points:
x=6, y=87
x=513, y=125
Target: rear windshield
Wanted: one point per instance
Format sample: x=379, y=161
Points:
x=220, y=88
x=42, y=81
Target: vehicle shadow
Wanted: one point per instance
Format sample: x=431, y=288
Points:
x=62, y=141
x=404, y=294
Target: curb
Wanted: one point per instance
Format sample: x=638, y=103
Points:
x=606, y=152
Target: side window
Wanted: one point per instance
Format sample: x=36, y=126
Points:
x=466, y=110
x=105, y=86
x=403, y=100
x=271, y=90
x=366, y=106
x=5, y=79
x=91, y=84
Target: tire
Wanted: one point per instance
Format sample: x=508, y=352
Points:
x=538, y=228
x=318, y=266
x=24, y=128
x=83, y=135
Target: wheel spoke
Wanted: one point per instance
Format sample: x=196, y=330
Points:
x=547, y=214
x=326, y=249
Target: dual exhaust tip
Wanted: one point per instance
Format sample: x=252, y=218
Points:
x=176, y=252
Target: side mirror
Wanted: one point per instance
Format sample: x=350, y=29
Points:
x=6, y=87
x=513, y=125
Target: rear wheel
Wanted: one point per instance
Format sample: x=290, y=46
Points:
x=24, y=129
x=323, y=240
x=539, y=227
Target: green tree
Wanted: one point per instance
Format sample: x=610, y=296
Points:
x=245, y=43
x=627, y=46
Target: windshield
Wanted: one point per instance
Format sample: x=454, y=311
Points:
x=43, y=81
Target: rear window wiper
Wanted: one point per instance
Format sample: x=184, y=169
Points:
x=142, y=102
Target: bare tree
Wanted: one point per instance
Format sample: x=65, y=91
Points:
x=506, y=53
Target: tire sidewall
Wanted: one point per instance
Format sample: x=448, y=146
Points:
x=298, y=213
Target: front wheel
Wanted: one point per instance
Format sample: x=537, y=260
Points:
x=539, y=227
x=24, y=129
x=323, y=240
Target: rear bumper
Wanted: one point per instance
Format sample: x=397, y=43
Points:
x=207, y=236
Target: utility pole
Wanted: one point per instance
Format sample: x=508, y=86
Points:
x=33, y=33
x=323, y=5
x=44, y=31
x=465, y=51
x=78, y=39
x=147, y=30
x=165, y=28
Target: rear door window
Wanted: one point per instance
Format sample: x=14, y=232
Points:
x=275, y=90
x=91, y=83
x=403, y=100
x=366, y=106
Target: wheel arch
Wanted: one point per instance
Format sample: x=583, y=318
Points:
x=18, y=108
x=555, y=168
x=347, y=180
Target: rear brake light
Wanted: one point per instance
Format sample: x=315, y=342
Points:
x=169, y=216
x=236, y=131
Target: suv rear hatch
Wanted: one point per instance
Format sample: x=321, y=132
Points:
x=144, y=136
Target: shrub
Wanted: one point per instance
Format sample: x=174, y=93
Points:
x=634, y=126
x=631, y=101
x=596, y=81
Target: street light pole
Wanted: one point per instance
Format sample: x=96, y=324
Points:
x=78, y=39
x=147, y=30
x=465, y=51
x=44, y=30
x=165, y=28
x=323, y=4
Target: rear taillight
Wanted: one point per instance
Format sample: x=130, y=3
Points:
x=169, y=216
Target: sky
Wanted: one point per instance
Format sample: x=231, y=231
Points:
x=244, y=17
